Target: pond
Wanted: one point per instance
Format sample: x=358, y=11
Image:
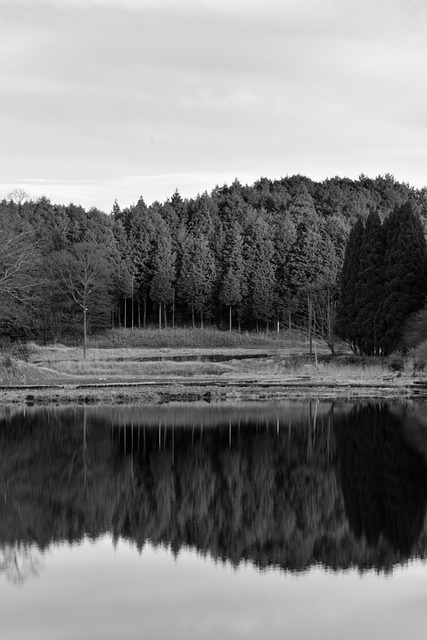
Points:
x=289, y=519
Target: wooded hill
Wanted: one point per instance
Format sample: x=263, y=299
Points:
x=242, y=256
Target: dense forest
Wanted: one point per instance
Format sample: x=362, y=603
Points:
x=326, y=484
x=244, y=257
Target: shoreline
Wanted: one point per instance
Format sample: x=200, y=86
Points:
x=164, y=391
x=58, y=375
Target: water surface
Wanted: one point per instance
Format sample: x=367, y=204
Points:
x=290, y=520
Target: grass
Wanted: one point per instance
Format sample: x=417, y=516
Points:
x=111, y=369
x=130, y=356
x=208, y=338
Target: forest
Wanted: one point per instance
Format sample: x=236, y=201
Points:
x=277, y=254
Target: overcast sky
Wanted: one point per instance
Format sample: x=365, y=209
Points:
x=105, y=99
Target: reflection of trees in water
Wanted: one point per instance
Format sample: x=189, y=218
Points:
x=20, y=562
x=260, y=486
x=384, y=480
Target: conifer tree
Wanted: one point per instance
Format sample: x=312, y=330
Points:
x=405, y=273
x=371, y=286
x=197, y=275
x=349, y=302
x=164, y=263
x=264, y=282
x=231, y=292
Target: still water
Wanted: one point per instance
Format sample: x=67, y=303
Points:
x=290, y=520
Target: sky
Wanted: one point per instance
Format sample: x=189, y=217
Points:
x=114, y=99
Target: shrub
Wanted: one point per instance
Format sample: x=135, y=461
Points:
x=420, y=358
x=396, y=362
x=7, y=361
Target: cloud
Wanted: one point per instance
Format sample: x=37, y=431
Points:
x=96, y=89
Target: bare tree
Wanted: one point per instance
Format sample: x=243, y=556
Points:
x=82, y=273
x=20, y=273
x=18, y=196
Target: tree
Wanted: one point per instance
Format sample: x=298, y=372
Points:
x=405, y=273
x=164, y=263
x=231, y=292
x=349, y=302
x=264, y=281
x=20, y=276
x=371, y=286
x=284, y=238
x=83, y=274
x=197, y=275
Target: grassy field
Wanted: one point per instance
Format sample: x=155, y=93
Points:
x=185, y=359
x=208, y=338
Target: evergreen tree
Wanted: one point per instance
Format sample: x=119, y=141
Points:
x=371, y=286
x=284, y=238
x=231, y=293
x=264, y=281
x=164, y=262
x=349, y=302
x=197, y=275
x=405, y=272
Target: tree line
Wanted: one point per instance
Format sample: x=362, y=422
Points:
x=244, y=257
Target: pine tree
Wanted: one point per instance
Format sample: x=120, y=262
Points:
x=349, y=301
x=231, y=292
x=371, y=286
x=197, y=275
x=405, y=273
x=164, y=263
x=264, y=282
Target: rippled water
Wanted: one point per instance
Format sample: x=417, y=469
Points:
x=296, y=520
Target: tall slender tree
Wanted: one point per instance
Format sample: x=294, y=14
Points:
x=231, y=293
x=164, y=273
x=371, y=286
x=349, y=300
x=405, y=272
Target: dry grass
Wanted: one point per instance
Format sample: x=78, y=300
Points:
x=113, y=370
x=283, y=363
x=16, y=372
x=208, y=338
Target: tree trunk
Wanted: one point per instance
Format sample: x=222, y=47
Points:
x=192, y=315
x=84, y=332
x=165, y=319
x=139, y=313
x=229, y=316
x=145, y=309
x=125, y=319
x=201, y=318
x=160, y=315
x=173, y=308
x=132, y=306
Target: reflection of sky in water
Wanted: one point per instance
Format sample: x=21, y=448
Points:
x=94, y=591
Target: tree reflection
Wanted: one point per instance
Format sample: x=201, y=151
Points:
x=384, y=480
x=314, y=484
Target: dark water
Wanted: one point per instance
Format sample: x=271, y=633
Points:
x=296, y=520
